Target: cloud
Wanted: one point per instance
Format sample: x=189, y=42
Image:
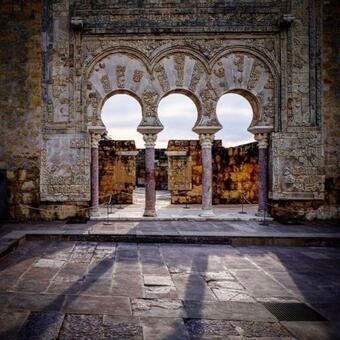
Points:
x=121, y=115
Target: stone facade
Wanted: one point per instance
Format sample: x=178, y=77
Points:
x=61, y=59
x=235, y=173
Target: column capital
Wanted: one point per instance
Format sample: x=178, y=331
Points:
x=95, y=139
x=206, y=140
x=149, y=140
x=262, y=139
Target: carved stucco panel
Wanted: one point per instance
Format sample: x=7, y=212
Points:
x=241, y=71
x=297, y=166
x=114, y=72
x=65, y=168
x=180, y=71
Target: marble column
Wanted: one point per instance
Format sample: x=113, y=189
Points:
x=262, y=139
x=150, y=184
x=95, y=138
x=206, y=141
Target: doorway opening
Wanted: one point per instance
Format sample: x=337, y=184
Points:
x=235, y=153
x=121, y=114
x=178, y=114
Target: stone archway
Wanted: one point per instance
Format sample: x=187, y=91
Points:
x=184, y=70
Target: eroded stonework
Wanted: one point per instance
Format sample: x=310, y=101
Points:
x=65, y=160
x=297, y=166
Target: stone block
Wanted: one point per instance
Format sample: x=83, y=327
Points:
x=22, y=174
x=28, y=186
x=10, y=175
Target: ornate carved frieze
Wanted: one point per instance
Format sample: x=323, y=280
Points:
x=247, y=74
x=197, y=73
x=162, y=77
x=65, y=168
x=120, y=72
x=150, y=99
x=297, y=166
x=179, y=67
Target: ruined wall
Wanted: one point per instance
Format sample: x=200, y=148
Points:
x=20, y=103
x=235, y=172
x=117, y=171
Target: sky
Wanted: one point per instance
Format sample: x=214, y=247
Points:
x=121, y=115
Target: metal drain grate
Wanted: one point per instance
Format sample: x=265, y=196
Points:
x=293, y=312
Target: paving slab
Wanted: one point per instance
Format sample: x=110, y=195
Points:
x=11, y=323
x=231, y=310
x=99, y=327
x=41, y=326
x=36, y=302
x=149, y=291
x=164, y=328
x=80, y=304
x=157, y=308
x=307, y=330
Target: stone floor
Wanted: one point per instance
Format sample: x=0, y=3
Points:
x=166, y=210
x=88, y=290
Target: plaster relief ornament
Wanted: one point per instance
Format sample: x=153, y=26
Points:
x=120, y=73
x=209, y=99
x=270, y=83
x=105, y=81
x=137, y=76
x=238, y=62
x=93, y=99
x=179, y=67
x=162, y=78
x=219, y=70
x=254, y=75
x=150, y=98
x=196, y=76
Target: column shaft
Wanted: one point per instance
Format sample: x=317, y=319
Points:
x=206, y=143
x=262, y=139
x=95, y=138
x=94, y=179
x=263, y=187
x=150, y=184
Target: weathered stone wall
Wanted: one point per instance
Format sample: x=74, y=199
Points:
x=321, y=152
x=235, y=172
x=20, y=103
x=117, y=171
x=331, y=106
